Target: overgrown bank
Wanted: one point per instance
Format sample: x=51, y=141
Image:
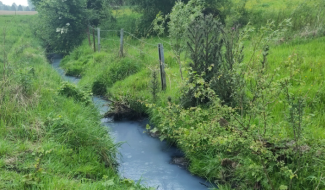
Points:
x=249, y=112
x=50, y=137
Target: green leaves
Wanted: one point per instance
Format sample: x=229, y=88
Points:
x=62, y=24
x=108, y=183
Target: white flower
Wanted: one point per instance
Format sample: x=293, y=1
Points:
x=60, y=17
x=68, y=24
x=62, y=30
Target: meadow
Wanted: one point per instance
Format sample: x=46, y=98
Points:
x=49, y=139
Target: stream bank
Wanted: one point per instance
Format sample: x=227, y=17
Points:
x=143, y=158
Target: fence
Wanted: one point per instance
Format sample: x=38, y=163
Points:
x=159, y=46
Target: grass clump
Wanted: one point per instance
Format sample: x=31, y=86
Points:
x=71, y=90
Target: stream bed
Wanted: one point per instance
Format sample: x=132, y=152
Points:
x=143, y=157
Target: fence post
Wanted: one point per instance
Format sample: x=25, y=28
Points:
x=121, y=42
x=98, y=37
x=94, y=40
x=88, y=33
x=162, y=66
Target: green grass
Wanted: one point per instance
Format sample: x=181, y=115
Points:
x=267, y=5
x=136, y=86
x=48, y=140
x=304, y=52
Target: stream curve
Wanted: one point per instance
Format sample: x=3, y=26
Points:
x=142, y=157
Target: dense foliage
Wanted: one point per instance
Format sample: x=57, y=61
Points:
x=62, y=24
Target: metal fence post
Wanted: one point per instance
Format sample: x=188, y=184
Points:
x=94, y=40
x=98, y=37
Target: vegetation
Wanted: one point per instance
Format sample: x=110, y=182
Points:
x=244, y=99
x=50, y=138
x=62, y=24
x=254, y=114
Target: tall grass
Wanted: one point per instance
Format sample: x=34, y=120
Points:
x=48, y=140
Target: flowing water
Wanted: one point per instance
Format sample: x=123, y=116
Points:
x=142, y=157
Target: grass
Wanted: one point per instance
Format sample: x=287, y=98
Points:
x=267, y=5
x=304, y=52
x=47, y=140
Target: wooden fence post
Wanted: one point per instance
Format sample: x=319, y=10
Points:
x=88, y=33
x=121, y=42
x=162, y=66
x=94, y=40
x=98, y=37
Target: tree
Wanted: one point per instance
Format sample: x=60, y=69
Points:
x=27, y=8
x=179, y=19
x=13, y=8
x=20, y=8
x=150, y=8
x=219, y=8
x=30, y=4
x=97, y=11
x=63, y=22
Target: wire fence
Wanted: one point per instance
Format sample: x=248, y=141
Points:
x=159, y=57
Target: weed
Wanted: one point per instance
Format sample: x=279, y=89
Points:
x=154, y=87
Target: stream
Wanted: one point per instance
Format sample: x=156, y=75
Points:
x=143, y=157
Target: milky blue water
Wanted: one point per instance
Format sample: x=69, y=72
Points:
x=142, y=157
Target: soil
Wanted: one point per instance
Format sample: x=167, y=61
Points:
x=18, y=12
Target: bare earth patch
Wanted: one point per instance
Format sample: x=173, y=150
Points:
x=18, y=12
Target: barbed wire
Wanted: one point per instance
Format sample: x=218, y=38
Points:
x=115, y=40
x=134, y=47
x=110, y=30
x=139, y=50
x=132, y=35
x=140, y=39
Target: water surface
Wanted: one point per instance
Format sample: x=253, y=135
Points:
x=143, y=157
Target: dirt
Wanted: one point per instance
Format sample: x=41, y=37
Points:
x=18, y=12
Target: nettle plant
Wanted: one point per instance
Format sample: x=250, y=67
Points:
x=246, y=146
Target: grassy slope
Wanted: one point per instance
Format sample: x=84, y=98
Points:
x=136, y=85
x=47, y=141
